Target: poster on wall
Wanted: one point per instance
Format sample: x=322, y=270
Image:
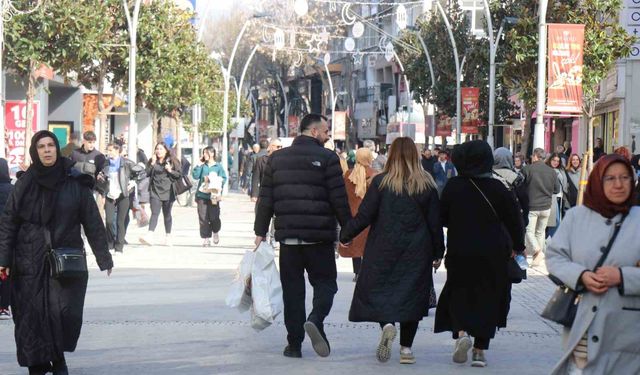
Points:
x=470, y=110
x=443, y=127
x=16, y=126
x=565, y=49
x=62, y=130
x=340, y=123
x=294, y=125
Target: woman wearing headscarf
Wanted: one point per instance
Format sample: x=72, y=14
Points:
x=484, y=231
x=357, y=181
x=48, y=311
x=5, y=191
x=404, y=242
x=504, y=170
x=604, y=336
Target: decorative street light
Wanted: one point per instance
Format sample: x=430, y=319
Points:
x=132, y=24
x=538, y=134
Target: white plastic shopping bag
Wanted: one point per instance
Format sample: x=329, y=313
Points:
x=266, y=289
x=240, y=294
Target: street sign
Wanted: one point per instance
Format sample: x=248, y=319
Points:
x=631, y=21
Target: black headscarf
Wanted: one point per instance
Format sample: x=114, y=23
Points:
x=4, y=171
x=47, y=177
x=473, y=159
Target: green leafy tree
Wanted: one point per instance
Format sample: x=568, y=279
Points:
x=61, y=34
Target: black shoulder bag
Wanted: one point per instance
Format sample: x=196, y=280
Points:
x=65, y=262
x=563, y=306
x=514, y=272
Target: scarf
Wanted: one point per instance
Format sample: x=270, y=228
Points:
x=594, y=197
x=114, y=164
x=358, y=176
x=47, y=177
x=473, y=159
x=503, y=159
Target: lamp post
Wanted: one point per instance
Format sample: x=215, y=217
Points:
x=538, y=135
x=458, y=83
x=132, y=24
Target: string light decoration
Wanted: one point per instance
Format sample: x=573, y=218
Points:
x=301, y=7
x=357, y=58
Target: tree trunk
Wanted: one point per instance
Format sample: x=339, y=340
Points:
x=102, y=110
x=31, y=93
x=526, y=134
x=590, y=119
x=154, y=129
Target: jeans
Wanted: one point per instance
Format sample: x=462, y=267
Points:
x=535, y=239
x=156, y=206
x=408, y=332
x=116, y=210
x=319, y=262
x=209, y=217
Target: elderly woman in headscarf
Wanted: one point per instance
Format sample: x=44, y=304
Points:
x=357, y=181
x=484, y=231
x=604, y=336
x=50, y=196
x=504, y=170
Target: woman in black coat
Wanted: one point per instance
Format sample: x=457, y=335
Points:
x=405, y=240
x=5, y=190
x=47, y=312
x=484, y=228
x=163, y=170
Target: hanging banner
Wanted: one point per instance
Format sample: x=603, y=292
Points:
x=565, y=49
x=443, y=127
x=15, y=131
x=340, y=123
x=470, y=110
x=294, y=125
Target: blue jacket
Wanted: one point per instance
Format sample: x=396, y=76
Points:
x=443, y=175
x=202, y=171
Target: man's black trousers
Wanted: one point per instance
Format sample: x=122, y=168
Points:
x=320, y=263
x=117, y=209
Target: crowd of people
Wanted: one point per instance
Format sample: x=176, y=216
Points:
x=399, y=216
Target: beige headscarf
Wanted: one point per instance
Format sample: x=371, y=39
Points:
x=358, y=176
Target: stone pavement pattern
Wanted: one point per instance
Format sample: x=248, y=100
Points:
x=163, y=312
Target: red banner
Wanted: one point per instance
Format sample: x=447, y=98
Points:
x=443, y=127
x=565, y=49
x=340, y=122
x=15, y=131
x=470, y=110
x=294, y=125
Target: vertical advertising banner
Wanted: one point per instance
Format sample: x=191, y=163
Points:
x=340, y=123
x=15, y=131
x=470, y=110
x=263, y=130
x=565, y=49
x=443, y=127
x=294, y=125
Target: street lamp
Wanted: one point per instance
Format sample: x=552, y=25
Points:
x=458, y=83
x=132, y=24
x=538, y=134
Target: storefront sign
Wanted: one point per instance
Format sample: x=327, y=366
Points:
x=566, y=44
x=16, y=126
x=443, y=127
x=365, y=115
x=470, y=110
x=340, y=122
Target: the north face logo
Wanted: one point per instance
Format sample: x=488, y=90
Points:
x=316, y=164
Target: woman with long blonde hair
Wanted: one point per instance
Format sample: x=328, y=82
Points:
x=405, y=240
x=356, y=182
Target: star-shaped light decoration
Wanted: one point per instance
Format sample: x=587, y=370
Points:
x=317, y=43
x=357, y=58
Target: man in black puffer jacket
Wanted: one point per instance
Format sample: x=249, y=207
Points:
x=304, y=188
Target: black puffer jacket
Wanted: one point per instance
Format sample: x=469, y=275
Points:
x=304, y=188
x=48, y=313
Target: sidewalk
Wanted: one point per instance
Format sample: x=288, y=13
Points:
x=162, y=312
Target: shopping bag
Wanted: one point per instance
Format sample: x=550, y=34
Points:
x=266, y=289
x=240, y=293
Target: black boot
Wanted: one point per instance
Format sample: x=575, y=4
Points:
x=292, y=352
x=60, y=368
x=40, y=369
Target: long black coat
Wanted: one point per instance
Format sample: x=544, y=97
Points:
x=477, y=293
x=405, y=236
x=48, y=313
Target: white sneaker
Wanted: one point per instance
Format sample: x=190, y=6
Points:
x=389, y=332
x=167, y=240
x=461, y=351
x=406, y=356
x=206, y=243
x=216, y=238
x=147, y=239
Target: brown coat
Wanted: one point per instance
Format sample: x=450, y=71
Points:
x=356, y=249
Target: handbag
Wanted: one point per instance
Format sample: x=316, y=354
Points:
x=182, y=185
x=563, y=306
x=514, y=272
x=65, y=262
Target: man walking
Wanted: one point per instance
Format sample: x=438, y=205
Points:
x=443, y=170
x=541, y=183
x=91, y=161
x=428, y=160
x=304, y=188
x=256, y=172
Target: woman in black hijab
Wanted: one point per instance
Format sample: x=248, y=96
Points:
x=47, y=312
x=476, y=209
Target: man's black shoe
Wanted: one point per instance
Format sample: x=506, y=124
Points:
x=318, y=339
x=292, y=353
